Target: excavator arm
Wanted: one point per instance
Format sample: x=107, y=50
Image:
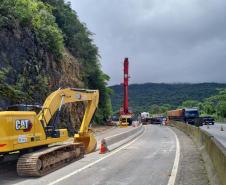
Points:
x=60, y=97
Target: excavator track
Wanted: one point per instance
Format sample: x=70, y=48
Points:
x=44, y=161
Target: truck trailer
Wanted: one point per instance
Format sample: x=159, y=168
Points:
x=186, y=115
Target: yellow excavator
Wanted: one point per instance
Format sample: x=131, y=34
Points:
x=31, y=132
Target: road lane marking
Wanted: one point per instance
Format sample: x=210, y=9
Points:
x=173, y=175
x=97, y=161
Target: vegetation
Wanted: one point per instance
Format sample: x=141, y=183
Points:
x=214, y=105
x=37, y=16
x=158, y=98
x=78, y=41
x=54, y=27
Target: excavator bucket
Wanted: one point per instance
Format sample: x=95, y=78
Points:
x=88, y=140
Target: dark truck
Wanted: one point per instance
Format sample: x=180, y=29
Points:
x=207, y=120
x=157, y=120
x=187, y=115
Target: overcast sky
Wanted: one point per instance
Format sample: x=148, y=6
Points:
x=165, y=40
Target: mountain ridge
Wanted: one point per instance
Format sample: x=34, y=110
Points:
x=143, y=96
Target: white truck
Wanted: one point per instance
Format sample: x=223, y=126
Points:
x=145, y=117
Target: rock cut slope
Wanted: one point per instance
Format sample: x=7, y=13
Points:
x=44, y=46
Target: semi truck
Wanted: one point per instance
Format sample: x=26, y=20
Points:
x=186, y=115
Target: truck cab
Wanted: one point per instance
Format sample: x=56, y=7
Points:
x=191, y=116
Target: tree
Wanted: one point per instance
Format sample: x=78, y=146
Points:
x=221, y=109
x=155, y=109
x=208, y=108
x=218, y=103
x=190, y=103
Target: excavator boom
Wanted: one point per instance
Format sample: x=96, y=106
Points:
x=60, y=97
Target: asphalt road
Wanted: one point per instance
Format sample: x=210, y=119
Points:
x=146, y=160
x=110, y=132
x=215, y=130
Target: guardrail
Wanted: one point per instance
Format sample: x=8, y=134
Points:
x=215, y=150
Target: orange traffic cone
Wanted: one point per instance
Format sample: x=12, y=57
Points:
x=103, y=147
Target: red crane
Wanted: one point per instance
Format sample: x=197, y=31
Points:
x=125, y=114
x=125, y=86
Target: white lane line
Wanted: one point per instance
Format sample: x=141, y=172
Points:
x=95, y=162
x=173, y=175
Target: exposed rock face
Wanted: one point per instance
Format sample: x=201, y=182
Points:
x=20, y=57
x=29, y=68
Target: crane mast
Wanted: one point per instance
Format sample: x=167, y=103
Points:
x=125, y=113
x=126, y=83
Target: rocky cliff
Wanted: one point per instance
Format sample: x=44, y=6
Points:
x=43, y=46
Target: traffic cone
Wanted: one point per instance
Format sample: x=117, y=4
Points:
x=103, y=147
x=222, y=129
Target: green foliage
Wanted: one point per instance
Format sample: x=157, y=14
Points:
x=142, y=97
x=55, y=26
x=76, y=35
x=221, y=109
x=23, y=88
x=155, y=109
x=159, y=109
x=37, y=16
x=207, y=108
x=78, y=41
x=214, y=105
x=11, y=92
x=98, y=81
x=190, y=103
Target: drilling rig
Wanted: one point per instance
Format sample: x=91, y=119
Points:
x=125, y=118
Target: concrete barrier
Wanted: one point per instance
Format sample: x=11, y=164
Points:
x=215, y=150
x=117, y=140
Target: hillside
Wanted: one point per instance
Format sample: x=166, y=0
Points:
x=143, y=96
x=44, y=46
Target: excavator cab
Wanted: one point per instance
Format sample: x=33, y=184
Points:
x=24, y=107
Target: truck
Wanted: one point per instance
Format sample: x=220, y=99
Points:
x=207, y=120
x=157, y=119
x=186, y=115
x=145, y=117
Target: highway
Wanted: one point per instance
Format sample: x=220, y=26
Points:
x=146, y=160
x=215, y=130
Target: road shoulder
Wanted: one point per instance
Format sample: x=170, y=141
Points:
x=191, y=170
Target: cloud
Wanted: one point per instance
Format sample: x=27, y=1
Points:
x=166, y=41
